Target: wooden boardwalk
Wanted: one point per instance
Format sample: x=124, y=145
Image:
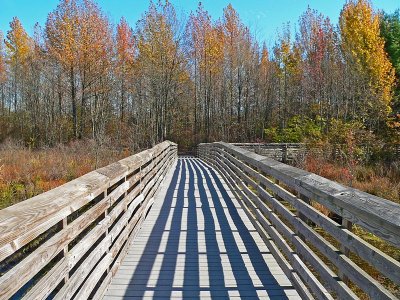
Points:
x=90, y=238
x=198, y=243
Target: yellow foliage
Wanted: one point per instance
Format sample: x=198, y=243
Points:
x=213, y=51
x=159, y=55
x=79, y=37
x=208, y=42
x=156, y=42
x=290, y=58
x=18, y=43
x=360, y=32
x=62, y=31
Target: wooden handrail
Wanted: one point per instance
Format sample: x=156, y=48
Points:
x=284, y=152
x=68, y=242
x=279, y=197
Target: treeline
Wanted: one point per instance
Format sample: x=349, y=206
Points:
x=198, y=80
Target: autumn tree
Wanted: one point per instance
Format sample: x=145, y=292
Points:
x=95, y=63
x=390, y=30
x=248, y=100
x=287, y=57
x=197, y=26
x=34, y=104
x=234, y=32
x=3, y=76
x=18, y=46
x=161, y=63
x=207, y=53
x=125, y=48
x=62, y=43
x=203, y=80
x=266, y=88
x=321, y=65
x=363, y=48
x=79, y=38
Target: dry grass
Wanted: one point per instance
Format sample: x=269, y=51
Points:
x=25, y=173
x=379, y=180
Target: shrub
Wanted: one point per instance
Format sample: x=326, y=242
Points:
x=25, y=173
x=299, y=129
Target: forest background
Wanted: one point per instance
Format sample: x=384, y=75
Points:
x=91, y=92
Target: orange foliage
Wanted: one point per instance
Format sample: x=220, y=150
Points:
x=62, y=33
x=208, y=42
x=125, y=44
x=328, y=170
x=19, y=45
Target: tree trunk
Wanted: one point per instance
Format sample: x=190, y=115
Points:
x=73, y=99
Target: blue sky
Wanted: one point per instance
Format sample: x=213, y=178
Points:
x=264, y=17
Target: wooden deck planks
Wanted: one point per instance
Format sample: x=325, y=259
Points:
x=198, y=243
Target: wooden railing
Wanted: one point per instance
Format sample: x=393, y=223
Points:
x=320, y=255
x=67, y=243
x=284, y=152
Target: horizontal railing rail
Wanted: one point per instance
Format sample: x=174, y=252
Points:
x=321, y=256
x=284, y=152
x=68, y=242
x=291, y=152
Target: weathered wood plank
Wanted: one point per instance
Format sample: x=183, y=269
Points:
x=301, y=268
x=284, y=264
x=182, y=233
x=356, y=206
x=46, y=252
x=46, y=285
x=377, y=215
x=25, y=221
x=384, y=263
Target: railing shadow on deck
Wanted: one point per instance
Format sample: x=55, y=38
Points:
x=145, y=265
x=319, y=255
x=245, y=284
x=142, y=282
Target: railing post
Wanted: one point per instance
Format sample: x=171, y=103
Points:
x=302, y=216
x=346, y=251
x=107, y=232
x=284, y=153
x=299, y=214
x=65, y=250
x=140, y=179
